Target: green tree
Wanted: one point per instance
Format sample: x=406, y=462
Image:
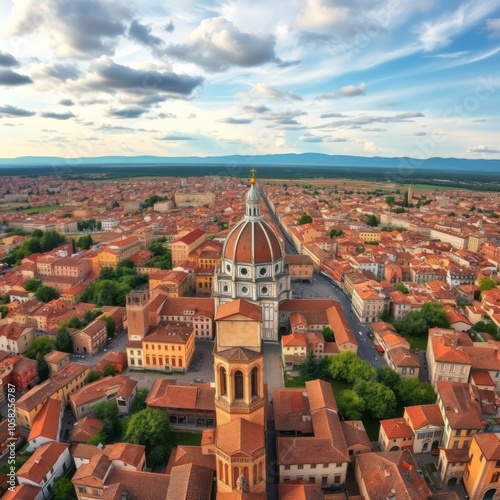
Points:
x=46, y=294
x=328, y=334
x=85, y=242
x=4, y=310
x=390, y=200
x=413, y=325
x=51, y=240
x=151, y=428
x=309, y=368
x=388, y=377
x=386, y=315
x=401, y=287
x=351, y=406
x=127, y=263
x=64, y=340
x=107, y=411
x=105, y=293
x=372, y=221
x=359, y=369
x=63, y=489
x=487, y=283
x=110, y=326
x=412, y=392
x=304, y=219
x=39, y=347
x=139, y=401
x=434, y=315
x=74, y=322
x=110, y=370
x=398, y=210
x=37, y=233
x=486, y=327
x=340, y=365
x=336, y=233
x=32, y=285
x=380, y=400
x=92, y=376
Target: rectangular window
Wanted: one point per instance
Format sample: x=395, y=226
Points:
x=442, y=367
x=300, y=466
x=452, y=368
x=287, y=467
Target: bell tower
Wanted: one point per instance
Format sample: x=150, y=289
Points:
x=240, y=398
x=138, y=314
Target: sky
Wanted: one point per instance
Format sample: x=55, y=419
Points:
x=84, y=78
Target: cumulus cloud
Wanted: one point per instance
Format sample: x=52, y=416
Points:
x=174, y=136
x=7, y=59
x=57, y=116
x=143, y=34
x=482, y=149
x=370, y=147
x=9, y=110
x=493, y=26
x=10, y=78
x=265, y=91
x=57, y=71
x=216, y=45
x=255, y=108
x=79, y=28
x=348, y=91
x=107, y=76
x=169, y=27
x=129, y=112
x=236, y=121
x=358, y=121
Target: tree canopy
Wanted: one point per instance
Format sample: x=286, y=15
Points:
x=372, y=221
x=487, y=283
x=64, y=340
x=328, y=334
x=304, y=219
x=32, y=285
x=46, y=294
x=351, y=406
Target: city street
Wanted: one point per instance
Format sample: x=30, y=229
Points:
x=321, y=287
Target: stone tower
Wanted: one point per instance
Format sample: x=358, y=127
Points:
x=240, y=398
x=138, y=314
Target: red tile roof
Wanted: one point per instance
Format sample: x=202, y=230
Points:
x=46, y=423
x=239, y=306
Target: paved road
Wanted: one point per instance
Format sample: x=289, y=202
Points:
x=322, y=287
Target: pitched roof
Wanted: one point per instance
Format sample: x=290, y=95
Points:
x=46, y=423
x=182, y=455
x=298, y=490
x=239, y=306
x=166, y=394
x=240, y=436
x=42, y=460
x=117, y=386
x=396, y=428
x=238, y=354
x=320, y=395
x=23, y=492
x=489, y=445
x=190, y=482
x=423, y=415
x=291, y=409
x=140, y=485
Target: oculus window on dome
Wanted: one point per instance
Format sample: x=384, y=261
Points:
x=244, y=271
x=263, y=271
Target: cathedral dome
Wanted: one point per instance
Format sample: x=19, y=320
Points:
x=252, y=242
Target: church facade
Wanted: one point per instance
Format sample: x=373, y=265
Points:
x=253, y=267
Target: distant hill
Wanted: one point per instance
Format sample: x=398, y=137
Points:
x=304, y=159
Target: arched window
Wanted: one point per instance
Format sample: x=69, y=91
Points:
x=254, y=381
x=173, y=361
x=223, y=381
x=154, y=360
x=180, y=362
x=147, y=360
x=160, y=360
x=238, y=385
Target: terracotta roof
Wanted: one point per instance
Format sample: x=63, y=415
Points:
x=131, y=454
x=395, y=428
x=240, y=436
x=56, y=356
x=190, y=482
x=252, y=242
x=93, y=472
x=404, y=358
x=298, y=490
x=164, y=394
x=355, y=433
x=239, y=354
x=175, y=306
x=182, y=455
x=384, y=472
x=240, y=495
x=46, y=423
x=482, y=377
x=293, y=339
x=449, y=346
x=320, y=395
x=489, y=445
x=42, y=460
x=423, y=415
x=85, y=451
x=118, y=386
x=23, y=492
x=190, y=237
x=291, y=407
x=140, y=485
x=171, y=333
x=461, y=404
x=239, y=306
x=85, y=429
